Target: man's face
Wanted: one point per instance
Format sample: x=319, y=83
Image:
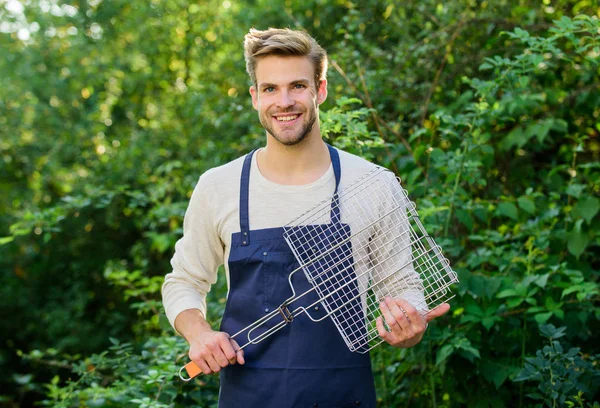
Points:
x=287, y=98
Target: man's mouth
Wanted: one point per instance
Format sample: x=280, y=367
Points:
x=288, y=118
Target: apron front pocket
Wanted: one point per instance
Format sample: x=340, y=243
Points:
x=274, y=271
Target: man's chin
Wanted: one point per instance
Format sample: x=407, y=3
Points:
x=289, y=140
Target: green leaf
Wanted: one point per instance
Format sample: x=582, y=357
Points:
x=444, y=352
x=550, y=331
x=507, y=293
x=526, y=204
x=468, y=347
x=419, y=150
x=465, y=218
x=538, y=129
x=521, y=34
x=582, y=290
x=22, y=379
x=426, y=212
x=514, y=138
x=587, y=208
x=494, y=373
x=485, y=66
x=560, y=125
x=343, y=101
x=542, y=317
x=577, y=242
x=512, y=303
x=6, y=240
x=575, y=190
x=98, y=402
x=542, y=280
x=488, y=322
x=473, y=308
x=437, y=155
x=509, y=210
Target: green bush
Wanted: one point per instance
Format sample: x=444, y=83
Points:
x=489, y=114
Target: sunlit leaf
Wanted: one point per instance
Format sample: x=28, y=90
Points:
x=526, y=204
x=577, y=242
x=509, y=210
x=588, y=208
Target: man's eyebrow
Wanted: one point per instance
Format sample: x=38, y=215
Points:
x=300, y=81
x=294, y=82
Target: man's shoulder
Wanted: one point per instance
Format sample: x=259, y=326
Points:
x=223, y=174
x=354, y=165
x=356, y=160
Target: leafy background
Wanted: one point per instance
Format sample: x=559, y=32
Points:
x=487, y=110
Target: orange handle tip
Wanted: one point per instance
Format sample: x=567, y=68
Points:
x=191, y=369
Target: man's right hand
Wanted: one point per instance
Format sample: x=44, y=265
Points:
x=211, y=350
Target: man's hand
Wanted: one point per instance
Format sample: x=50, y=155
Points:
x=405, y=322
x=211, y=350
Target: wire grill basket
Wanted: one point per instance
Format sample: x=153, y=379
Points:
x=364, y=244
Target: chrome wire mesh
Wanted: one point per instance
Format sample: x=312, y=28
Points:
x=366, y=243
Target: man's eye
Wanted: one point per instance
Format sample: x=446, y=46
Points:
x=269, y=89
x=299, y=86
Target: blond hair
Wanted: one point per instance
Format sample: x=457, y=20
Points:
x=283, y=42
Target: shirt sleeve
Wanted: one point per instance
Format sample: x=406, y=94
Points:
x=393, y=254
x=198, y=255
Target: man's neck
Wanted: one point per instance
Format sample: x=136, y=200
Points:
x=299, y=164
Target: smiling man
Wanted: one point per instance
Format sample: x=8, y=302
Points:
x=235, y=219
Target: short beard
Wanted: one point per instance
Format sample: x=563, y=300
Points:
x=295, y=141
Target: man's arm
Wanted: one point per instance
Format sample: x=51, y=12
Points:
x=211, y=350
x=401, y=290
x=197, y=257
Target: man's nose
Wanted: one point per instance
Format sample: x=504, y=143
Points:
x=285, y=100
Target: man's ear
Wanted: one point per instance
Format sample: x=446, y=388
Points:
x=322, y=92
x=254, y=97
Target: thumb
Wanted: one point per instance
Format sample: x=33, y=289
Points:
x=437, y=312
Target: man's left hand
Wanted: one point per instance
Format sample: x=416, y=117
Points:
x=406, y=324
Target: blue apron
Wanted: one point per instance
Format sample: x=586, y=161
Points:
x=306, y=363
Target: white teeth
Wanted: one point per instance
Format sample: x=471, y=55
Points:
x=286, y=118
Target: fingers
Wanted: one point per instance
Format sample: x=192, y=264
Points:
x=214, y=366
x=394, y=317
x=418, y=322
x=215, y=351
x=383, y=333
x=405, y=323
x=202, y=364
x=228, y=350
x=238, y=352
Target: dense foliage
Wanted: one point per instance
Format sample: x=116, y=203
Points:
x=489, y=111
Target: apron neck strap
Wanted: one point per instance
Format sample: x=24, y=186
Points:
x=337, y=171
x=245, y=192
